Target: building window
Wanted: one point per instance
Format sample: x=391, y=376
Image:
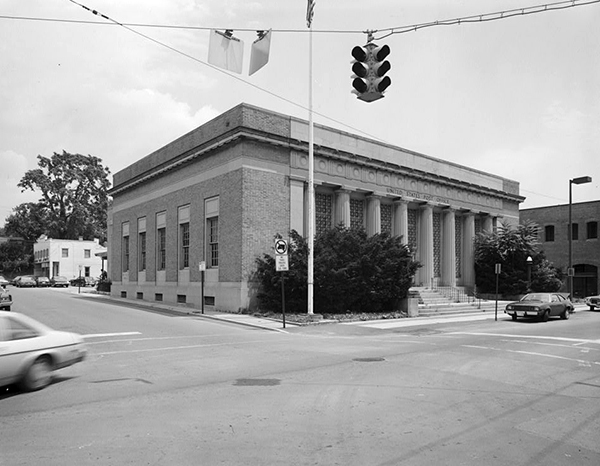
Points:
x=142, y=251
x=323, y=212
x=357, y=213
x=183, y=218
x=592, y=230
x=65, y=252
x=212, y=228
x=161, y=253
x=386, y=218
x=211, y=214
x=125, y=253
x=549, y=233
x=184, y=238
x=574, y=231
x=87, y=253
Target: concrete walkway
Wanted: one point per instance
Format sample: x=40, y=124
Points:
x=486, y=312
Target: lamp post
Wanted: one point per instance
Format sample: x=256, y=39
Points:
x=79, y=281
x=570, y=271
x=529, y=262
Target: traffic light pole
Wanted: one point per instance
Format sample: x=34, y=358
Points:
x=311, y=181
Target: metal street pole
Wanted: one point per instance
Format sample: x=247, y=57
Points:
x=311, y=181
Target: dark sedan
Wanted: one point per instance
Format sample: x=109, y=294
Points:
x=59, y=281
x=26, y=281
x=541, y=306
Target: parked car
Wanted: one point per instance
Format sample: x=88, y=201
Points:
x=541, y=306
x=59, y=281
x=91, y=281
x=593, y=302
x=31, y=351
x=26, y=281
x=3, y=281
x=42, y=281
x=77, y=281
x=5, y=299
x=15, y=280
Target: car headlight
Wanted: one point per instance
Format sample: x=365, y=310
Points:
x=509, y=308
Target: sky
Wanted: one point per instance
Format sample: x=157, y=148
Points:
x=516, y=97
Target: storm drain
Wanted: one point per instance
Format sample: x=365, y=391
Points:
x=257, y=382
x=368, y=359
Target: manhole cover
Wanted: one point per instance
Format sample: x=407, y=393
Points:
x=257, y=382
x=368, y=359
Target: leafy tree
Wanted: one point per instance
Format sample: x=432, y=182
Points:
x=352, y=272
x=74, y=196
x=510, y=247
x=29, y=221
x=15, y=257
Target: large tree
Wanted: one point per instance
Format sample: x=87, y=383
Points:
x=510, y=247
x=74, y=197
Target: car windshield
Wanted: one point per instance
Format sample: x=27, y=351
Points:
x=536, y=297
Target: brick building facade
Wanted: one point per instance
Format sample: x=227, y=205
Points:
x=220, y=194
x=553, y=234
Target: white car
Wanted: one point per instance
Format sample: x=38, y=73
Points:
x=593, y=302
x=30, y=351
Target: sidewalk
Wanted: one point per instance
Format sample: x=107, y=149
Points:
x=277, y=325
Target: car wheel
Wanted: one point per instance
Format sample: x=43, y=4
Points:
x=545, y=316
x=514, y=317
x=592, y=308
x=38, y=375
x=566, y=314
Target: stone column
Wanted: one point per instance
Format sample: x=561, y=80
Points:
x=373, y=215
x=297, y=206
x=400, y=225
x=425, y=246
x=342, y=207
x=468, y=258
x=488, y=224
x=448, y=248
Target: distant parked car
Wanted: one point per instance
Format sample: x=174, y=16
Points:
x=42, y=281
x=593, y=302
x=91, y=281
x=5, y=298
x=15, y=280
x=78, y=281
x=26, y=281
x=58, y=281
x=541, y=306
x=3, y=281
x=30, y=351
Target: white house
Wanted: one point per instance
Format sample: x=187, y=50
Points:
x=68, y=258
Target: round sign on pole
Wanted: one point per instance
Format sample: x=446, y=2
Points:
x=281, y=247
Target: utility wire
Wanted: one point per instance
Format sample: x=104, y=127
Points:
x=390, y=31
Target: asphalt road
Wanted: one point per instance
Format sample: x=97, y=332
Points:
x=167, y=389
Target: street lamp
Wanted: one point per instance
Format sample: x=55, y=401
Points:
x=570, y=271
x=79, y=281
x=529, y=262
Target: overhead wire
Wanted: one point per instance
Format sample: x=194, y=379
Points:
x=388, y=32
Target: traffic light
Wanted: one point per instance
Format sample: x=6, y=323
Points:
x=369, y=67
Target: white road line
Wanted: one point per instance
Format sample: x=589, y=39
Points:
x=170, y=348
x=578, y=341
x=581, y=362
x=100, y=335
x=412, y=322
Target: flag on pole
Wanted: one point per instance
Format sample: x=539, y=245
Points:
x=310, y=11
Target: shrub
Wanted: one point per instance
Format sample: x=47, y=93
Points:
x=352, y=272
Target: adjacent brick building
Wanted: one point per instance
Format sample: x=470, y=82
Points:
x=553, y=234
x=219, y=194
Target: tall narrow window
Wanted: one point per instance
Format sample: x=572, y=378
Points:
x=125, y=247
x=142, y=244
x=549, y=233
x=184, y=232
x=211, y=213
x=161, y=241
x=183, y=216
x=574, y=231
x=592, y=230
